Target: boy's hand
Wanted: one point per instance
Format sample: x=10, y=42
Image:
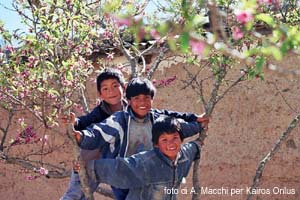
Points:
x=68, y=119
x=77, y=135
x=76, y=166
x=204, y=120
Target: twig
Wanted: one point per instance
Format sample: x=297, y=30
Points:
x=269, y=156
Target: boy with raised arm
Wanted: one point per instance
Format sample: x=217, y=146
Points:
x=110, y=87
x=151, y=175
x=129, y=132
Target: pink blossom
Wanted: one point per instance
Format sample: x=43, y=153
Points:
x=43, y=171
x=155, y=34
x=107, y=34
x=110, y=56
x=244, y=16
x=237, y=33
x=298, y=3
x=123, y=22
x=267, y=2
x=30, y=177
x=31, y=59
x=45, y=139
x=21, y=120
x=198, y=47
x=10, y=48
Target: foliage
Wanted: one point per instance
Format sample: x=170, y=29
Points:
x=48, y=69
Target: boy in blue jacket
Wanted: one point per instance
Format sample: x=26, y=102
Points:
x=129, y=132
x=110, y=87
x=151, y=175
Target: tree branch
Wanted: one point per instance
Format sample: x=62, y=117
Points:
x=269, y=156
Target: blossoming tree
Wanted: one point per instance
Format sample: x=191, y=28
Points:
x=47, y=72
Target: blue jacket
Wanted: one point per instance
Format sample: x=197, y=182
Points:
x=98, y=114
x=114, y=131
x=148, y=175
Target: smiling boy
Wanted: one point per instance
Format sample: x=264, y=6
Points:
x=149, y=174
x=110, y=87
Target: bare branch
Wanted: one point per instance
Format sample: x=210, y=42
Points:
x=156, y=63
x=269, y=156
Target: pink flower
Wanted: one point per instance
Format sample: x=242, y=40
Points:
x=267, y=2
x=21, y=120
x=43, y=171
x=107, y=34
x=31, y=59
x=197, y=47
x=123, y=22
x=244, y=16
x=298, y=3
x=110, y=56
x=31, y=177
x=155, y=34
x=45, y=139
x=10, y=49
x=237, y=33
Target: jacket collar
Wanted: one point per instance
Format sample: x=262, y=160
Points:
x=181, y=157
x=105, y=106
x=132, y=115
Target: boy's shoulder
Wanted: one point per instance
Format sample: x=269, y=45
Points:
x=119, y=116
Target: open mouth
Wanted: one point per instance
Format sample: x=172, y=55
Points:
x=171, y=148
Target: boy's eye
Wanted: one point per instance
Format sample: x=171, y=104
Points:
x=164, y=140
x=176, y=138
x=116, y=85
x=104, y=89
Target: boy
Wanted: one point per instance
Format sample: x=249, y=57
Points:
x=129, y=132
x=110, y=86
x=150, y=174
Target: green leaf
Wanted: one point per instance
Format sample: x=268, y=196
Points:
x=276, y=53
x=172, y=44
x=266, y=18
x=184, y=42
x=259, y=62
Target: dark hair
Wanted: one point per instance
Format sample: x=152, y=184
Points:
x=165, y=124
x=138, y=86
x=110, y=73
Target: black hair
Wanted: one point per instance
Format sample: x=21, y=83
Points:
x=110, y=73
x=138, y=86
x=165, y=124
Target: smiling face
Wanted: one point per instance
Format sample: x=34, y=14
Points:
x=141, y=105
x=169, y=144
x=111, y=91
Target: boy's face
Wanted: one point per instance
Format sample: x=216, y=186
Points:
x=111, y=91
x=140, y=104
x=169, y=144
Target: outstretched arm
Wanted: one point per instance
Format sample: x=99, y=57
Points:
x=120, y=172
x=188, y=117
x=96, y=135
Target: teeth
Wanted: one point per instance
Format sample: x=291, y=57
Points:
x=171, y=148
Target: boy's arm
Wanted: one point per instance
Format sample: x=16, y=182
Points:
x=189, y=129
x=96, y=135
x=189, y=117
x=193, y=150
x=93, y=117
x=120, y=172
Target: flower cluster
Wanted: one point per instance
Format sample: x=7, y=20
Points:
x=164, y=82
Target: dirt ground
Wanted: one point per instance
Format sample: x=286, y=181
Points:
x=243, y=129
